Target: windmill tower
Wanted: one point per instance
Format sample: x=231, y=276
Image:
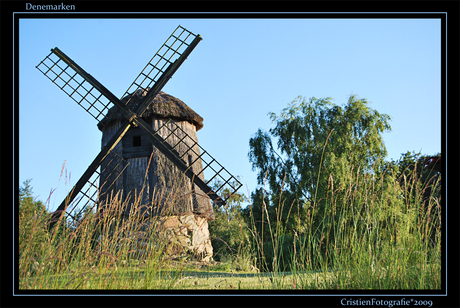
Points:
x=148, y=169
x=149, y=145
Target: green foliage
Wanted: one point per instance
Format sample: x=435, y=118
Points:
x=230, y=234
x=28, y=207
x=33, y=234
x=302, y=130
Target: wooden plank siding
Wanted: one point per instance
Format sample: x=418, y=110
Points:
x=165, y=186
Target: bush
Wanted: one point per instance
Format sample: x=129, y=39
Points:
x=230, y=236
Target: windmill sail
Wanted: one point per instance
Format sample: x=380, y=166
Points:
x=179, y=45
x=70, y=80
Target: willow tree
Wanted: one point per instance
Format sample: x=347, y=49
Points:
x=315, y=139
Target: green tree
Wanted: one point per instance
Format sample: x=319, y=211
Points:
x=316, y=138
x=411, y=165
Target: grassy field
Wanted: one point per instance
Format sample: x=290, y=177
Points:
x=151, y=275
x=204, y=277
x=209, y=277
x=382, y=236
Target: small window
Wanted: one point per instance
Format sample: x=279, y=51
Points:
x=137, y=141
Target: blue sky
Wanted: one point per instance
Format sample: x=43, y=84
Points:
x=242, y=70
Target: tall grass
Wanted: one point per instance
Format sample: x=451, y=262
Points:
x=371, y=232
x=100, y=251
x=365, y=232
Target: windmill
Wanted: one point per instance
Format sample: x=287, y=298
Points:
x=101, y=177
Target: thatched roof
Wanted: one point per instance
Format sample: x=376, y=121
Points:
x=163, y=105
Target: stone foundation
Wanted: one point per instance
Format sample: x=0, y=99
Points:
x=189, y=232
